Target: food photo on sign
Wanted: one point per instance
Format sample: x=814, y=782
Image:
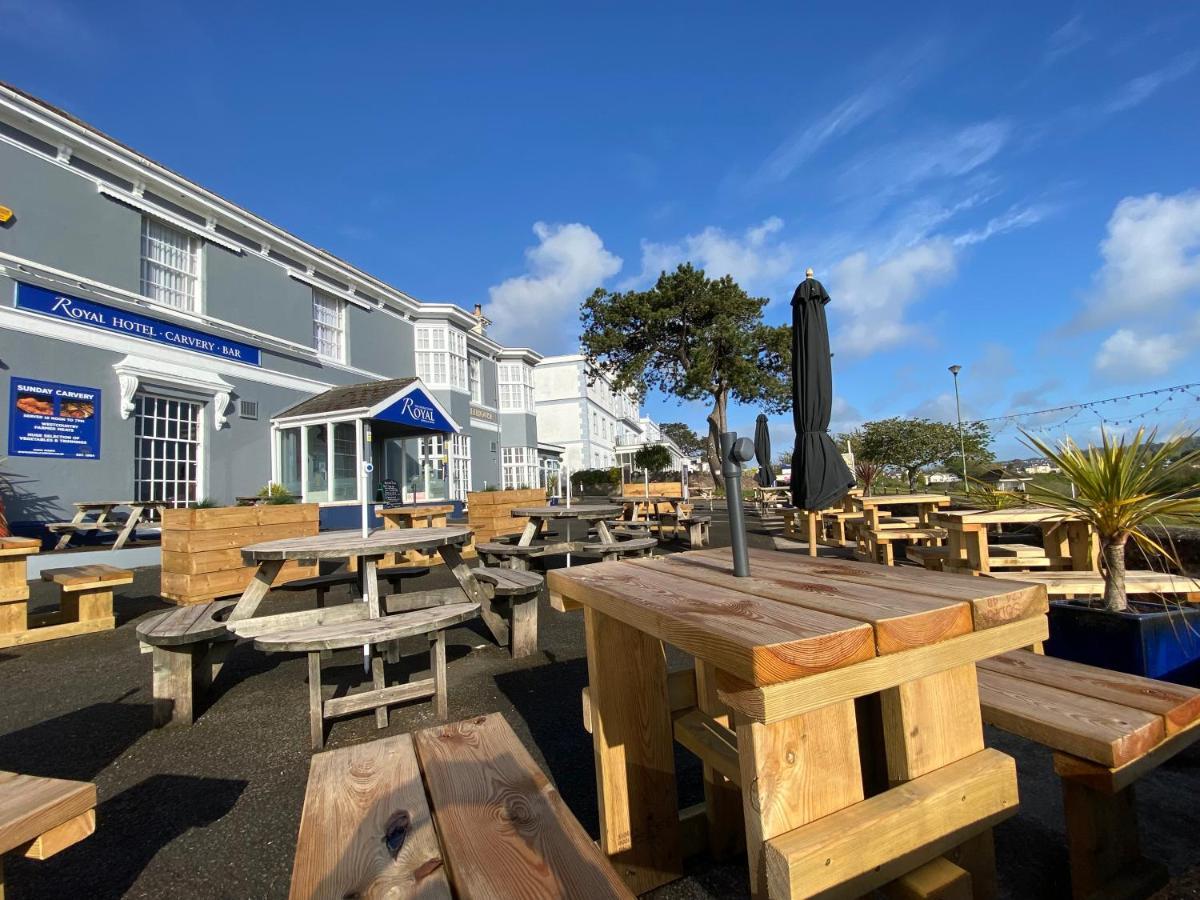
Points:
x=50, y=419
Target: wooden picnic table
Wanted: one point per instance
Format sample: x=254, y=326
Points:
x=592, y=513
x=102, y=510
x=773, y=497
x=41, y=816
x=432, y=516
x=872, y=508
x=788, y=652
x=639, y=507
x=1068, y=543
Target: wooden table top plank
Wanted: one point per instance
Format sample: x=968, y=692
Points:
x=990, y=607
x=94, y=574
x=19, y=546
x=1178, y=704
x=350, y=542
x=901, y=622
x=507, y=832
x=31, y=805
x=1104, y=732
x=759, y=641
x=339, y=635
x=902, y=500
x=353, y=795
x=575, y=511
x=1011, y=516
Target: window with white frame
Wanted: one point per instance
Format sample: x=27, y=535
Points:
x=516, y=387
x=166, y=450
x=460, y=466
x=329, y=326
x=476, y=383
x=319, y=463
x=519, y=467
x=442, y=356
x=170, y=266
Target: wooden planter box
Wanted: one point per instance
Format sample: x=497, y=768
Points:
x=489, y=513
x=202, y=548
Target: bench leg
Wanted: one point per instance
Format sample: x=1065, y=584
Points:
x=1102, y=841
x=87, y=606
x=173, y=685
x=524, y=627
x=316, y=716
x=437, y=664
x=379, y=683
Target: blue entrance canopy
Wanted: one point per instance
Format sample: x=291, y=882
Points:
x=404, y=406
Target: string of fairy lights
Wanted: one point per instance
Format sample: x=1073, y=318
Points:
x=1175, y=396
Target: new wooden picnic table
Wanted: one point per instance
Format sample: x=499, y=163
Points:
x=871, y=507
x=1067, y=541
x=806, y=655
x=101, y=510
x=41, y=816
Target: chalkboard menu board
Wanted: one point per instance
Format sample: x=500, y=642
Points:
x=391, y=492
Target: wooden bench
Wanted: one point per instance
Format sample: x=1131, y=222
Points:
x=492, y=826
x=521, y=589
x=1107, y=729
x=1088, y=584
x=323, y=583
x=85, y=602
x=375, y=633
x=189, y=645
x=620, y=549
x=932, y=558
x=41, y=816
x=875, y=545
x=697, y=529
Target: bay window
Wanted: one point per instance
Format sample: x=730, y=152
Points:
x=442, y=356
x=319, y=463
x=516, y=387
x=473, y=377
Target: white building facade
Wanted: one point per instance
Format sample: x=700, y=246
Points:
x=598, y=426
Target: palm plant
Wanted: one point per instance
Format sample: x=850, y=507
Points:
x=1121, y=488
x=866, y=471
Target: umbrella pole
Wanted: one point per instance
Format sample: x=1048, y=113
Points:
x=734, y=452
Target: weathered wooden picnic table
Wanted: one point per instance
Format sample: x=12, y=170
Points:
x=773, y=497
x=1067, y=541
x=102, y=510
x=593, y=514
x=806, y=655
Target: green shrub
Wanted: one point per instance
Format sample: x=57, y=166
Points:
x=276, y=494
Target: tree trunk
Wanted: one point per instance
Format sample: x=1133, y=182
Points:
x=717, y=422
x=912, y=481
x=1115, y=599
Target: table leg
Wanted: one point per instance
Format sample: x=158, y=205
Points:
x=812, y=532
x=316, y=711
x=437, y=663
x=379, y=682
x=524, y=626
x=1084, y=546
x=369, y=567
x=258, y=587
x=722, y=798
x=530, y=531
x=131, y=523
x=475, y=592
x=975, y=538
x=80, y=514
x=606, y=536
x=794, y=772
x=634, y=750
x=172, y=685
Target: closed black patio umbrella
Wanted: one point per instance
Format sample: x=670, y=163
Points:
x=762, y=452
x=820, y=476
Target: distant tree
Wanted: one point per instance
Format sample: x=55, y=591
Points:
x=652, y=458
x=784, y=458
x=695, y=338
x=684, y=437
x=911, y=445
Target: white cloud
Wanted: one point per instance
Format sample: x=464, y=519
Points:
x=1140, y=89
x=1066, y=40
x=540, y=309
x=875, y=295
x=1125, y=355
x=1014, y=218
x=757, y=258
x=1151, y=259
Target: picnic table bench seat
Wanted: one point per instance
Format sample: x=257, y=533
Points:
x=875, y=545
x=932, y=558
x=697, y=529
x=380, y=634
x=41, y=816
x=1107, y=729
x=608, y=551
x=1086, y=584
x=85, y=602
x=398, y=817
x=521, y=588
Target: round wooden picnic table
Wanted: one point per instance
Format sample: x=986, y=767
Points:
x=585, y=512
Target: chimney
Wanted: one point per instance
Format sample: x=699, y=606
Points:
x=481, y=323
x=479, y=310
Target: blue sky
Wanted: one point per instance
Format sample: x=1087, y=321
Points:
x=1013, y=189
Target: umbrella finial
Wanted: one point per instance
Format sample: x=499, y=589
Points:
x=808, y=272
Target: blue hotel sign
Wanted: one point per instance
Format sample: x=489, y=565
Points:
x=118, y=321
x=417, y=410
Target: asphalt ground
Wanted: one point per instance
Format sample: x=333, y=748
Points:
x=212, y=811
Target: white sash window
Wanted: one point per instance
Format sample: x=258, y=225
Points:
x=170, y=266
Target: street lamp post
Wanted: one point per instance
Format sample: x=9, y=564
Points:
x=962, y=444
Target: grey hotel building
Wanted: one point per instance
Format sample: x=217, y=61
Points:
x=159, y=342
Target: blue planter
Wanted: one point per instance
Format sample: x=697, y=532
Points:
x=1161, y=644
